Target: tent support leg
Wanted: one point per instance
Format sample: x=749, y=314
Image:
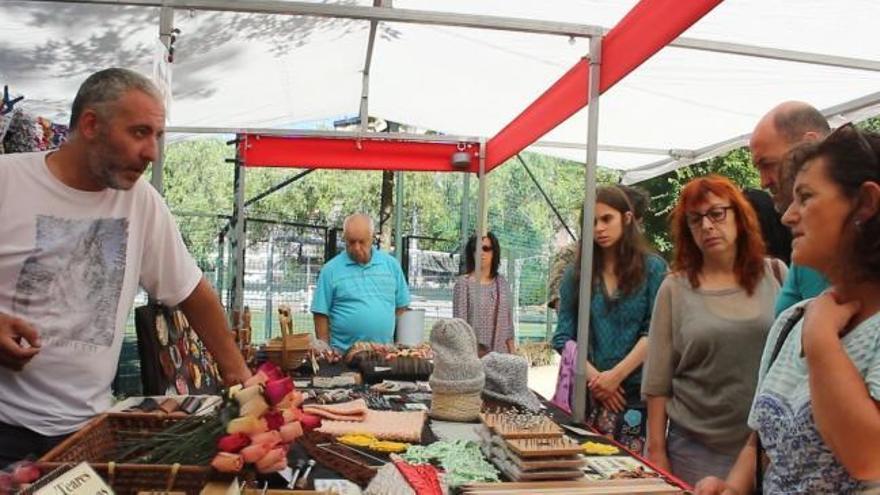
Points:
x=584, y=294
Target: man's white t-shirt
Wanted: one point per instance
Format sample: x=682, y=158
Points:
x=70, y=264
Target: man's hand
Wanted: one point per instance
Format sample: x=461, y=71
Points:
x=714, y=486
x=14, y=332
x=236, y=377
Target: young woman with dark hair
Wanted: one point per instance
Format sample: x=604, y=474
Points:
x=817, y=407
x=493, y=320
x=625, y=281
x=710, y=321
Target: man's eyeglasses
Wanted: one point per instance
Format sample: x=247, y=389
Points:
x=716, y=214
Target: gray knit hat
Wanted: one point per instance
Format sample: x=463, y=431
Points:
x=507, y=380
x=458, y=376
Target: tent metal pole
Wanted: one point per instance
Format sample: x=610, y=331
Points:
x=398, y=217
x=236, y=305
x=166, y=24
x=373, y=13
x=465, y=214
x=378, y=136
x=586, y=281
x=481, y=228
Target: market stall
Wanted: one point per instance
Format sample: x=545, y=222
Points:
x=340, y=423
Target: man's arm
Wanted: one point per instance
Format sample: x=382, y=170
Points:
x=322, y=327
x=205, y=314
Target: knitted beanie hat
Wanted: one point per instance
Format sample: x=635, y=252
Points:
x=457, y=369
x=507, y=380
x=458, y=376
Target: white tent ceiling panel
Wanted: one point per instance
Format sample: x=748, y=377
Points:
x=264, y=70
x=46, y=50
x=258, y=70
x=682, y=99
x=464, y=81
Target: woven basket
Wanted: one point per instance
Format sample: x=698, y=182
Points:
x=288, y=351
x=97, y=442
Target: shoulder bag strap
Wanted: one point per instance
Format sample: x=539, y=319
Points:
x=795, y=317
x=497, y=303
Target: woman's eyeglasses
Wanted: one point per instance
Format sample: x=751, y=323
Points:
x=716, y=214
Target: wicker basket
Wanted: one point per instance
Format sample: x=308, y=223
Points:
x=288, y=351
x=97, y=442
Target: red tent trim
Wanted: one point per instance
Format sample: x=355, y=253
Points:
x=374, y=153
x=647, y=28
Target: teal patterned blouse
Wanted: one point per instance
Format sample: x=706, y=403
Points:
x=616, y=323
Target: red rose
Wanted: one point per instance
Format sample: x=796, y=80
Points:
x=277, y=389
x=233, y=443
x=274, y=420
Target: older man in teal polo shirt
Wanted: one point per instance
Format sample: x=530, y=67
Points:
x=360, y=291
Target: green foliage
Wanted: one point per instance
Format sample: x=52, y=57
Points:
x=198, y=180
x=665, y=189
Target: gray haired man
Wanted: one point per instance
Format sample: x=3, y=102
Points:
x=81, y=231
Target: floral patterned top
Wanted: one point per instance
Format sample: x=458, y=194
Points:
x=782, y=413
x=494, y=316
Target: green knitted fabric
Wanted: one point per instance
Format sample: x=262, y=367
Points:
x=462, y=460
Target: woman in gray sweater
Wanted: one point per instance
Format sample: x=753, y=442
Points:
x=710, y=321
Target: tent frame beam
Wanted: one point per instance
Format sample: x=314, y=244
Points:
x=498, y=23
x=843, y=112
x=441, y=138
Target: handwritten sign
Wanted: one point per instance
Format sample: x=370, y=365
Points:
x=79, y=480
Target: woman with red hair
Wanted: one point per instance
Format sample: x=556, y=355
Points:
x=710, y=321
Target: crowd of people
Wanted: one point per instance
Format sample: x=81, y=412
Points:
x=730, y=368
x=755, y=374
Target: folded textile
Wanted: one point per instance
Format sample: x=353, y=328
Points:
x=423, y=478
x=384, y=425
x=355, y=410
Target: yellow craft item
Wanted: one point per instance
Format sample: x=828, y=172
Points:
x=371, y=442
x=389, y=447
x=357, y=439
x=596, y=448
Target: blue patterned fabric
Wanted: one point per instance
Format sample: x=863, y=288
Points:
x=782, y=413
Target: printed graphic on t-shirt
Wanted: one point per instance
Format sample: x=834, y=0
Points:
x=69, y=288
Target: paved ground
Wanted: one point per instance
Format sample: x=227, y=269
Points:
x=542, y=379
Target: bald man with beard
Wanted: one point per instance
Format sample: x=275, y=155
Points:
x=781, y=129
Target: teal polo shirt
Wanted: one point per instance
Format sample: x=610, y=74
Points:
x=801, y=283
x=360, y=300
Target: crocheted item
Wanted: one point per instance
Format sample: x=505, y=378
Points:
x=507, y=380
x=384, y=425
x=355, y=410
x=389, y=481
x=462, y=461
x=457, y=369
x=456, y=407
x=421, y=477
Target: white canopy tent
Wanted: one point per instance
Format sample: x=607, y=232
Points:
x=246, y=70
